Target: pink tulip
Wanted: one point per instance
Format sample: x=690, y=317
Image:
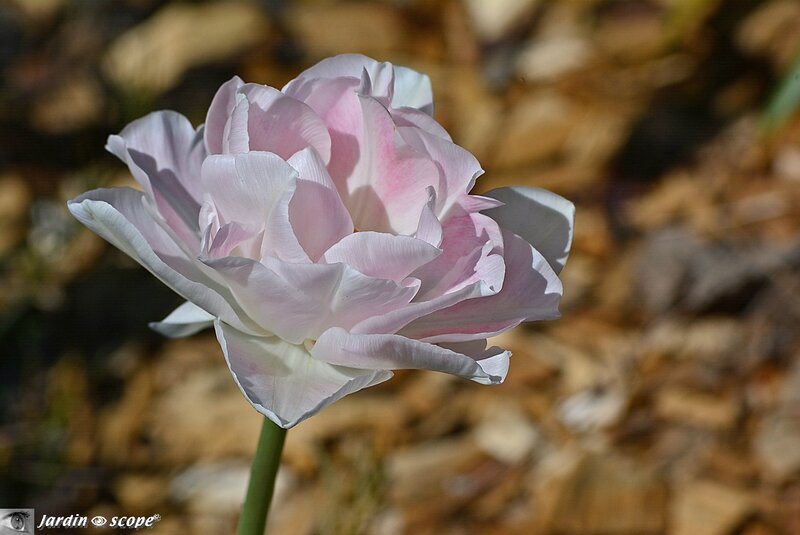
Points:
x=327, y=232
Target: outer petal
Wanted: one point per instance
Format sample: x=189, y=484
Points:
x=389, y=351
x=316, y=195
x=121, y=217
x=282, y=381
x=531, y=291
x=164, y=153
x=382, y=256
x=540, y=217
x=185, y=320
x=221, y=107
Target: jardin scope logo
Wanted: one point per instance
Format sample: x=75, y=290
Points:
x=21, y=521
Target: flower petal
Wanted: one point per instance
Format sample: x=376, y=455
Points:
x=380, y=255
x=164, y=153
x=185, y=320
x=388, y=185
x=221, y=108
x=406, y=116
x=389, y=351
x=282, y=381
x=236, y=135
x=300, y=301
x=429, y=228
x=531, y=291
x=121, y=217
x=472, y=252
x=255, y=189
x=394, y=320
x=458, y=169
x=316, y=194
x=283, y=125
x=412, y=89
x=540, y=217
x=409, y=89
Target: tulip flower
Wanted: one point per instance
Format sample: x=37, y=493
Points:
x=327, y=233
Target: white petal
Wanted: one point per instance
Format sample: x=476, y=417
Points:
x=380, y=255
x=389, y=351
x=185, y=320
x=221, y=107
x=429, y=228
x=412, y=89
x=255, y=189
x=164, y=153
x=120, y=216
x=300, y=301
x=540, y=217
x=236, y=137
x=282, y=381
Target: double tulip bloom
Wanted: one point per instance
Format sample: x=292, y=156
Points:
x=327, y=233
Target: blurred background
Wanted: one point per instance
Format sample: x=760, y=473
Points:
x=667, y=399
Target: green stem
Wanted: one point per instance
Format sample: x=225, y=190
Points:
x=262, y=480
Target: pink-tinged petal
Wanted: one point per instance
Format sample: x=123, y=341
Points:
x=383, y=256
x=185, y=320
x=316, y=195
x=409, y=88
x=283, y=125
x=473, y=246
x=457, y=167
x=121, y=216
x=388, y=186
x=372, y=78
x=394, y=320
x=336, y=102
x=282, y=381
x=300, y=301
x=531, y=291
x=221, y=107
x=343, y=65
x=389, y=351
x=164, y=153
x=429, y=228
x=540, y=217
x=381, y=178
x=254, y=189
